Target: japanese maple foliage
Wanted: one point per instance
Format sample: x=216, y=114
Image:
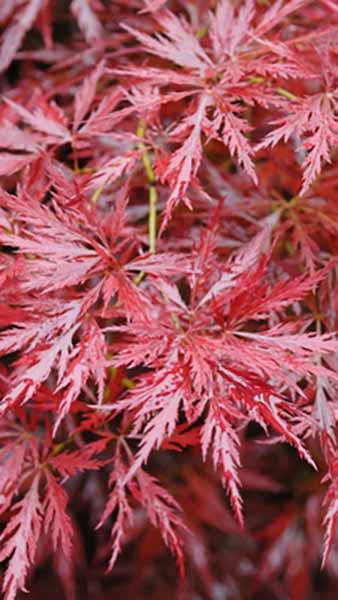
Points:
x=168, y=298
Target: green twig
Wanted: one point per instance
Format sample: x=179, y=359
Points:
x=97, y=194
x=283, y=92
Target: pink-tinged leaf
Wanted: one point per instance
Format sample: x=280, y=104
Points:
x=275, y=299
x=185, y=162
x=249, y=259
x=45, y=24
x=331, y=505
x=105, y=118
x=11, y=163
x=233, y=136
x=45, y=55
x=40, y=273
x=114, y=169
x=117, y=501
x=142, y=351
x=4, y=220
x=87, y=360
x=86, y=94
x=147, y=99
x=13, y=138
x=251, y=253
x=161, y=264
x=319, y=146
x=152, y=5
x=218, y=436
x=158, y=428
x=270, y=411
x=9, y=315
x=177, y=43
x=324, y=410
x=314, y=121
x=331, y=4
x=56, y=521
x=163, y=512
x=12, y=457
x=307, y=343
x=31, y=333
x=61, y=253
x=14, y=33
x=227, y=30
x=53, y=225
x=48, y=119
x=36, y=367
x=199, y=358
x=159, y=77
x=7, y=8
x=171, y=293
x=134, y=301
x=182, y=438
x=84, y=459
x=56, y=263
x=278, y=11
x=87, y=20
x=162, y=396
x=20, y=539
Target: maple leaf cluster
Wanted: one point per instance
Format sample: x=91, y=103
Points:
x=169, y=297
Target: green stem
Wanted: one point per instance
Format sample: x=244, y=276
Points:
x=97, y=194
x=283, y=92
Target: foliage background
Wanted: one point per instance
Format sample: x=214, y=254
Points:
x=168, y=189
